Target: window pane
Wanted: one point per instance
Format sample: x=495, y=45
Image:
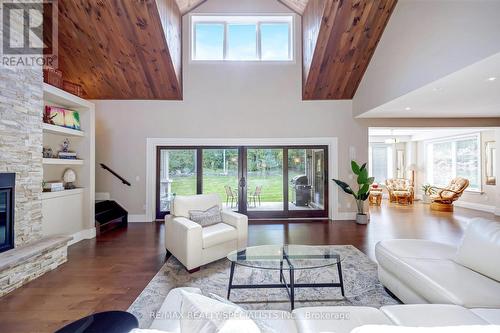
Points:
x=379, y=164
x=209, y=41
x=242, y=42
x=177, y=175
x=275, y=41
x=442, y=163
x=467, y=161
x=265, y=179
x=220, y=175
x=306, y=179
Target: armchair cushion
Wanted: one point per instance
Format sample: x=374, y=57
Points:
x=480, y=247
x=183, y=204
x=217, y=234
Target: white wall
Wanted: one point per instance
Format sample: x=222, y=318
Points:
x=424, y=41
x=222, y=100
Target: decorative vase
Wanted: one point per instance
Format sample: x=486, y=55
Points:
x=426, y=199
x=362, y=218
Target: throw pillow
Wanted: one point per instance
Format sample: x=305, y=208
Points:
x=206, y=217
x=205, y=315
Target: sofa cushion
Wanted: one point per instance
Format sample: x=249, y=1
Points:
x=205, y=315
x=428, y=315
x=413, y=248
x=338, y=319
x=480, y=247
x=167, y=318
x=184, y=203
x=279, y=321
x=492, y=316
x=442, y=329
x=217, y=234
x=426, y=267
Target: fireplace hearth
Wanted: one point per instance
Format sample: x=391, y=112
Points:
x=7, y=195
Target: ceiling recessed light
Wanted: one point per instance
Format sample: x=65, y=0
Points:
x=407, y=108
x=437, y=89
x=492, y=78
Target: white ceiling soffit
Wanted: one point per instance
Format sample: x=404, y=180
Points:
x=378, y=134
x=472, y=92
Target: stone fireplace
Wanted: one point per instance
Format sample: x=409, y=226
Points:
x=28, y=254
x=7, y=199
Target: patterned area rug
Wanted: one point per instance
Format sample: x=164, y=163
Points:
x=362, y=287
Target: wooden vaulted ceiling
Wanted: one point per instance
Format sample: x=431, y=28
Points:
x=131, y=49
x=339, y=39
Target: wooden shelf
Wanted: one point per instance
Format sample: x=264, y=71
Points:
x=59, y=194
x=54, y=129
x=60, y=161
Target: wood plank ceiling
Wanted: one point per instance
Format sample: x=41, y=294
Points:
x=339, y=39
x=132, y=49
x=122, y=49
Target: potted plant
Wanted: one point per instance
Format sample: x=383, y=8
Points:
x=363, y=191
x=428, y=191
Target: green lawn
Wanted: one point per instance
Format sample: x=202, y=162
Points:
x=272, y=186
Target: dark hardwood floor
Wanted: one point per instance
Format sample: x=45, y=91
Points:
x=109, y=272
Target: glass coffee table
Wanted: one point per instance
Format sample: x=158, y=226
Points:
x=288, y=259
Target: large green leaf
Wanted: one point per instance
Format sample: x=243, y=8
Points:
x=344, y=186
x=371, y=180
x=363, y=177
x=363, y=166
x=355, y=167
x=363, y=190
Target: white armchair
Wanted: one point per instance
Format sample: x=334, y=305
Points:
x=195, y=246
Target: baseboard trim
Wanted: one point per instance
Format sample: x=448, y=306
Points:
x=99, y=196
x=81, y=235
x=137, y=218
x=340, y=216
x=475, y=206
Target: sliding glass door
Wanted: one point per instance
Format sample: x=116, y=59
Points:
x=262, y=182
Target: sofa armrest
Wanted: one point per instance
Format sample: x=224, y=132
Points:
x=240, y=222
x=183, y=238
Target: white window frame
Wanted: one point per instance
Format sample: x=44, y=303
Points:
x=453, y=140
x=226, y=20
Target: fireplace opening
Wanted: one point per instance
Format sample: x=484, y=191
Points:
x=7, y=185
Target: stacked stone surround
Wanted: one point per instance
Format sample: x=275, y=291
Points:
x=21, y=107
x=21, y=141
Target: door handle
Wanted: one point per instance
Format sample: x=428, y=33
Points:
x=243, y=182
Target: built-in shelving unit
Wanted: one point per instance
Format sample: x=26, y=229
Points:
x=69, y=212
x=54, y=129
x=60, y=161
x=59, y=194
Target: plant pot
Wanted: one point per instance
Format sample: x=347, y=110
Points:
x=362, y=218
x=426, y=199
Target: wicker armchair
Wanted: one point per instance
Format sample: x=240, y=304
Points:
x=443, y=199
x=400, y=190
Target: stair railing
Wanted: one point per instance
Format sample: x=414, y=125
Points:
x=124, y=181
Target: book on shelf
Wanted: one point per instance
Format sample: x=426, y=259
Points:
x=53, y=187
x=67, y=155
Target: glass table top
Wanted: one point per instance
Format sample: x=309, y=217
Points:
x=285, y=256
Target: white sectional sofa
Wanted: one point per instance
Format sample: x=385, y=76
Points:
x=421, y=271
x=342, y=319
